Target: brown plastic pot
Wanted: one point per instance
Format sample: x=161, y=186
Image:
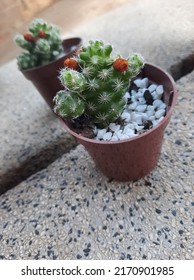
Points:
x=45, y=78
x=132, y=159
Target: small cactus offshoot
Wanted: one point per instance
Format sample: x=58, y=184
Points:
x=95, y=82
x=42, y=44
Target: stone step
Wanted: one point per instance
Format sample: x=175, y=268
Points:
x=71, y=211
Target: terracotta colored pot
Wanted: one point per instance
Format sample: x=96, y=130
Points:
x=132, y=159
x=45, y=78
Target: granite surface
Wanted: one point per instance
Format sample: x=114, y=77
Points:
x=31, y=135
x=71, y=211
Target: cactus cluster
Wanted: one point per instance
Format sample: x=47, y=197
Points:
x=95, y=82
x=42, y=43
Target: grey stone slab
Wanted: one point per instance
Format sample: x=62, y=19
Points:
x=71, y=211
x=162, y=30
x=31, y=135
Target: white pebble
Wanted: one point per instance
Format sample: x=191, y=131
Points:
x=154, y=95
x=155, y=122
x=114, y=127
x=139, y=94
x=162, y=106
x=138, y=119
x=133, y=106
x=160, y=89
x=144, y=116
x=129, y=132
x=137, y=82
x=142, y=101
x=160, y=113
x=114, y=138
x=100, y=133
x=157, y=103
x=124, y=137
x=152, y=118
x=150, y=108
x=160, y=119
x=141, y=108
x=107, y=136
x=133, y=92
x=126, y=116
x=118, y=133
x=130, y=126
x=152, y=87
x=144, y=82
x=159, y=96
x=150, y=113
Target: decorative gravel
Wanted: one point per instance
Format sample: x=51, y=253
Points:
x=144, y=109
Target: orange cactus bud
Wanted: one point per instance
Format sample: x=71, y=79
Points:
x=120, y=65
x=41, y=34
x=71, y=63
x=28, y=37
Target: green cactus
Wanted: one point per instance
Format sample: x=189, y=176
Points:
x=97, y=83
x=42, y=44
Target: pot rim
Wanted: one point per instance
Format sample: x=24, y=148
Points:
x=63, y=55
x=144, y=134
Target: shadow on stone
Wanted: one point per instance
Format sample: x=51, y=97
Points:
x=34, y=164
x=182, y=68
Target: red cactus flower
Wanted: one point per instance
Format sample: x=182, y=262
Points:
x=120, y=65
x=71, y=63
x=28, y=37
x=41, y=34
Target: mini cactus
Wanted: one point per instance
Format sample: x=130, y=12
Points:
x=42, y=44
x=95, y=82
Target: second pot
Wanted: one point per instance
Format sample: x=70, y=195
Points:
x=45, y=78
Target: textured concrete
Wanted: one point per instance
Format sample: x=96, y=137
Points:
x=31, y=135
x=162, y=30
x=71, y=211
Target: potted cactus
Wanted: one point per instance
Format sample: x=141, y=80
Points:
x=105, y=104
x=43, y=56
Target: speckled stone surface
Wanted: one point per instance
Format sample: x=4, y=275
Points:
x=162, y=30
x=31, y=135
x=71, y=211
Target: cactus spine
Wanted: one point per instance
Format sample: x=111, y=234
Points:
x=96, y=83
x=42, y=44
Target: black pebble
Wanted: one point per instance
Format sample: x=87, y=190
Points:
x=148, y=97
x=147, y=124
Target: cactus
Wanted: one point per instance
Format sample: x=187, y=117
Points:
x=95, y=82
x=42, y=44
